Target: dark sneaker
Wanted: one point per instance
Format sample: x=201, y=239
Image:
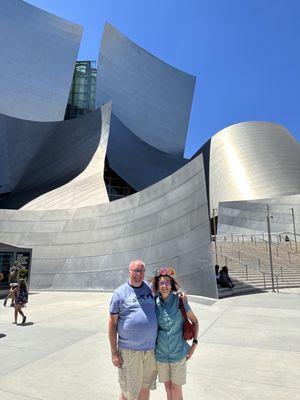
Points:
x=24, y=320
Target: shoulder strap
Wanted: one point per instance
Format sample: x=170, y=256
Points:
x=182, y=309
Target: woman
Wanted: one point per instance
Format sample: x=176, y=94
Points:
x=225, y=280
x=172, y=350
x=21, y=298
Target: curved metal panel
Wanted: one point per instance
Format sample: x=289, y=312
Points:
x=138, y=163
x=42, y=156
x=86, y=189
x=252, y=160
x=152, y=98
x=248, y=217
x=38, y=54
x=91, y=247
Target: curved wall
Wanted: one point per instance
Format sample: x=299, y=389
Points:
x=91, y=247
x=248, y=217
x=151, y=98
x=38, y=54
x=41, y=156
x=86, y=189
x=251, y=160
x=138, y=163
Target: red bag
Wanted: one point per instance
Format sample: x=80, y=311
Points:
x=188, y=327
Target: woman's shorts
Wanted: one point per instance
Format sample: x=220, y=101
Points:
x=138, y=371
x=175, y=372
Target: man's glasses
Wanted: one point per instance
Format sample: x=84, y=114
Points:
x=137, y=271
x=167, y=283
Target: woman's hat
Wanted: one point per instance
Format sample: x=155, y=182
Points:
x=167, y=271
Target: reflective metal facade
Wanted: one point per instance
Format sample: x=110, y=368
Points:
x=42, y=156
x=38, y=53
x=138, y=163
x=248, y=217
x=91, y=247
x=151, y=98
x=251, y=160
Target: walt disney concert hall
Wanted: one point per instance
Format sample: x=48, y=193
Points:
x=80, y=198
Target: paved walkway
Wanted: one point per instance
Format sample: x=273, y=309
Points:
x=249, y=349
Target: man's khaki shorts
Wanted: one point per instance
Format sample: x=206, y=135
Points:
x=175, y=372
x=138, y=371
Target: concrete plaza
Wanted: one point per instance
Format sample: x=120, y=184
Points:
x=249, y=348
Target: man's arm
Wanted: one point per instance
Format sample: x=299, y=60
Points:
x=113, y=335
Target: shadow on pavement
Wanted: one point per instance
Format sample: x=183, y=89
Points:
x=26, y=324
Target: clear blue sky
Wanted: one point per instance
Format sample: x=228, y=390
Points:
x=244, y=53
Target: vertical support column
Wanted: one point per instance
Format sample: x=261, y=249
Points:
x=294, y=228
x=270, y=246
x=215, y=233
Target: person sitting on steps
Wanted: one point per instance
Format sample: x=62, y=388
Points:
x=225, y=280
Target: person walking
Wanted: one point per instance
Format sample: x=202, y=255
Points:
x=13, y=282
x=172, y=350
x=21, y=298
x=132, y=331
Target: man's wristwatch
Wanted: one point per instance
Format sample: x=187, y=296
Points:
x=195, y=341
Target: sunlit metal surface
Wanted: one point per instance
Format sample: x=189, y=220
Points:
x=248, y=217
x=251, y=160
x=137, y=162
x=38, y=54
x=90, y=248
x=151, y=98
x=86, y=189
x=43, y=156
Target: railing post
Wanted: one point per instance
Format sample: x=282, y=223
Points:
x=270, y=244
x=281, y=274
x=215, y=233
x=264, y=280
x=246, y=265
x=242, y=238
x=277, y=283
x=294, y=227
x=231, y=237
x=259, y=263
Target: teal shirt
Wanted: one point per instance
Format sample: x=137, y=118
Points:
x=170, y=344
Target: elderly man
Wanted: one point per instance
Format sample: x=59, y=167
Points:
x=132, y=334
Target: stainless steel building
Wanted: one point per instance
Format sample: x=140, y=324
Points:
x=250, y=217
x=43, y=156
x=53, y=197
x=91, y=247
x=151, y=98
x=251, y=160
x=38, y=54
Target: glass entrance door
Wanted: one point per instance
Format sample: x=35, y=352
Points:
x=6, y=261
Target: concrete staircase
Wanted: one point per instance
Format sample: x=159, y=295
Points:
x=248, y=262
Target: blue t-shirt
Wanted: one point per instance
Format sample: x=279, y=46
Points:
x=170, y=345
x=137, y=323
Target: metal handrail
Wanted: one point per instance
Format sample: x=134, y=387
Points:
x=255, y=237
x=259, y=260
x=280, y=248
x=264, y=273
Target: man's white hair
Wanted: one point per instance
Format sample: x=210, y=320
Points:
x=136, y=263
